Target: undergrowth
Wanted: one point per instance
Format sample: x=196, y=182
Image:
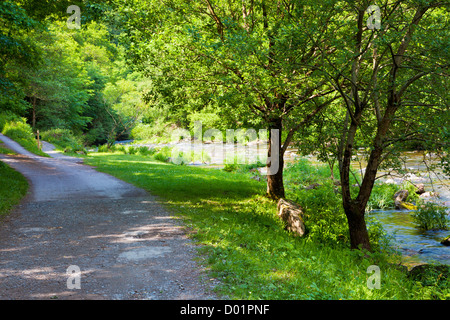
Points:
x=13, y=187
x=17, y=129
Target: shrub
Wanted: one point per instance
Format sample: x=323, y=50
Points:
x=151, y=151
x=131, y=150
x=17, y=130
x=21, y=132
x=230, y=167
x=145, y=151
x=105, y=148
x=158, y=131
x=121, y=148
x=163, y=154
x=63, y=139
x=207, y=119
x=382, y=196
x=7, y=117
x=412, y=195
x=68, y=149
x=431, y=216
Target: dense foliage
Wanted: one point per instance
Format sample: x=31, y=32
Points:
x=58, y=77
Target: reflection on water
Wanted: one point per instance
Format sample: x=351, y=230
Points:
x=417, y=246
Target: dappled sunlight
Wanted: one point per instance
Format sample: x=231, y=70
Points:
x=153, y=232
x=245, y=242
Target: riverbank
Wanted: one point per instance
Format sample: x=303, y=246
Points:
x=245, y=246
x=416, y=245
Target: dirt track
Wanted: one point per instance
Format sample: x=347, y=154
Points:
x=123, y=241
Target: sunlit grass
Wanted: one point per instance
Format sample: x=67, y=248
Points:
x=13, y=187
x=245, y=245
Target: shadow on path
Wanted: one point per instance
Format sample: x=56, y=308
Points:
x=122, y=240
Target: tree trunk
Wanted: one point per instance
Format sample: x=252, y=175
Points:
x=275, y=162
x=359, y=236
x=33, y=120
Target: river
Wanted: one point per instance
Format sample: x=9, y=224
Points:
x=418, y=246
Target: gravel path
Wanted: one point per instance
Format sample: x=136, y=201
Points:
x=82, y=234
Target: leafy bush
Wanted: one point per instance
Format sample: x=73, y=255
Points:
x=382, y=196
x=131, y=150
x=142, y=150
x=230, y=167
x=163, y=154
x=21, y=132
x=142, y=131
x=63, y=139
x=159, y=131
x=17, y=130
x=431, y=216
x=7, y=117
x=207, y=119
x=412, y=195
x=103, y=148
x=120, y=148
x=145, y=151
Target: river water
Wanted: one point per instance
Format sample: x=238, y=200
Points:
x=418, y=246
x=415, y=245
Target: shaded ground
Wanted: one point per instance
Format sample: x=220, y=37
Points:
x=124, y=242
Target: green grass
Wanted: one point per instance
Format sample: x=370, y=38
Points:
x=4, y=150
x=245, y=245
x=13, y=187
x=21, y=132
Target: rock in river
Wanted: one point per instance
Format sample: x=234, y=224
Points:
x=400, y=201
x=446, y=241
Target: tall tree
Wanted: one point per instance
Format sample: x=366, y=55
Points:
x=392, y=81
x=57, y=88
x=245, y=55
x=15, y=48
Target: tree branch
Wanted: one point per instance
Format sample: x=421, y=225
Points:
x=216, y=19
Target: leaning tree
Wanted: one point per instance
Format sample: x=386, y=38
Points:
x=390, y=67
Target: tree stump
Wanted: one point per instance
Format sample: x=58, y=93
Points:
x=292, y=214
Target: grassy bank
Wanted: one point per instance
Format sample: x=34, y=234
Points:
x=13, y=185
x=245, y=244
x=17, y=129
x=64, y=140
